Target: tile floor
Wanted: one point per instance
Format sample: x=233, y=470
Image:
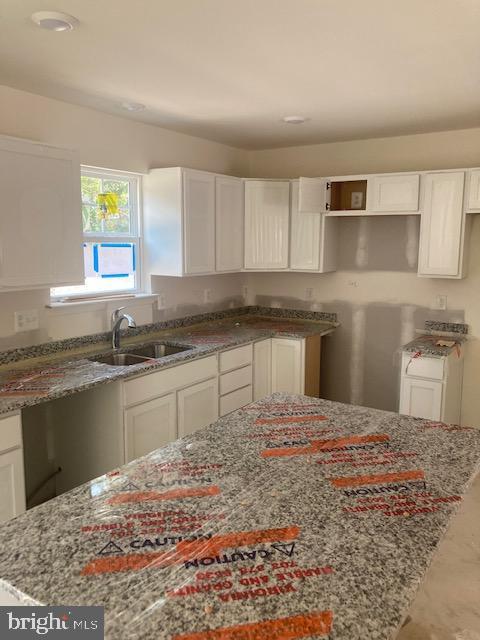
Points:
x=447, y=606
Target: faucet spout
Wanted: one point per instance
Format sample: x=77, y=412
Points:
x=117, y=319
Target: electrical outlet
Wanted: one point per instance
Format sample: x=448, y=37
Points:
x=207, y=295
x=161, y=301
x=308, y=293
x=26, y=320
x=441, y=302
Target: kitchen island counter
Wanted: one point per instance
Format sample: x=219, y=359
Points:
x=293, y=517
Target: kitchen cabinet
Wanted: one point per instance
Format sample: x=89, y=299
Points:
x=179, y=222
x=229, y=211
x=267, y=209
x=394, y=193
x=431, y=387
x=262, y=369
x=197, y=406
x=236, y=378
x=41, y=235
x=12, y=479
x=473, y=198
x=442, y=228
x=288, y=365
x=313, y=238
x=149, y=426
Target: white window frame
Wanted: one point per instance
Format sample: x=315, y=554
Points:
x=135, y=235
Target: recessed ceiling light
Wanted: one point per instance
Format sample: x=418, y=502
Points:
x=54, y=20
x=294, y=119
x=133, y=106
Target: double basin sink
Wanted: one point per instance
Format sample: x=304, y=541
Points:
x=136, y=355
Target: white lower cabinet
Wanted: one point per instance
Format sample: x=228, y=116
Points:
x=149, y=426
x=262, y=369
x=288, y=365
x=236, y=376
x=12, y=479
x=421, y=398
x=197, y=406
x=431, y=387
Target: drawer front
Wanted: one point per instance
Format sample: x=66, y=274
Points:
x=235, y=400
x=159, y=383
x=235, y=358
x=10, y=433
x=235, y=379
x=423, y=367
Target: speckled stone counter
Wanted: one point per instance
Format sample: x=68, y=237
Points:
x=291, y=518
x=426, y=344
x=54, y=370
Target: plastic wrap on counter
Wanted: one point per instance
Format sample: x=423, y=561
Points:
x=293, y=517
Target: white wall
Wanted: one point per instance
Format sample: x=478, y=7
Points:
x=117, y=143
x=379, y=309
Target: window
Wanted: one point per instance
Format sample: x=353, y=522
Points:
x=110, y=233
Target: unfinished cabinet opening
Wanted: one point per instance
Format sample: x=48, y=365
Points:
x=348, y=195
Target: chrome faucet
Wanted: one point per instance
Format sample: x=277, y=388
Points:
x=117, y=319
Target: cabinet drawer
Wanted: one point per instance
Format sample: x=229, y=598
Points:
x=235, y=379
x=159, y=383
x=10, y=433
x=423, y=367
x=235, y=400
x=235, y=358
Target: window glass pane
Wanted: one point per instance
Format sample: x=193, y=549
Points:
x=92, y=222
x=91, y=187
x=106, y=205
x=109, y=267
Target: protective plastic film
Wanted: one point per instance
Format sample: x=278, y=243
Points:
x=291, y=518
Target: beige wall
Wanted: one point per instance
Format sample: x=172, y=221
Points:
x=380, y=306
x=117, y=143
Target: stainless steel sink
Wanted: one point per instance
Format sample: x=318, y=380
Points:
x=120, y=359
x=157, y=350
x=135, y=355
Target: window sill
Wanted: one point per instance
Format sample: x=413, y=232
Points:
x=113, y=301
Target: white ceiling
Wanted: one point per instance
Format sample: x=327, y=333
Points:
x=229, y=70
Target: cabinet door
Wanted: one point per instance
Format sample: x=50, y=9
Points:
x=267, y=206
x=41, y=223
x=262, y=369
x=395, y=193
x=421, y=398
x=288, y=365
x=197, y=406
x=12, y=484
x=199, y=221
x=473, y=202
x=442, y=227
x=149, y=426
x=305, y=236
x=229, y=211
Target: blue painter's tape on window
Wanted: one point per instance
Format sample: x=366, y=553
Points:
x=95, y=257
x=133, y=258
x=115, y=275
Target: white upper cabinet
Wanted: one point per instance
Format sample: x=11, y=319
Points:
x=229, y=209
x=179, y=222
x=392, y=193
x=442, y=228
x=473, y=199
x=267, y=206
x=313, y=238
x=41, y=219
x=199, y=221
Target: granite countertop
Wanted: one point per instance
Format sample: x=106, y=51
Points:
x=291, y=517
x=55, y=370
x=426, y=343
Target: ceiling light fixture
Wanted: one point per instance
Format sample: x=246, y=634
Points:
x=133, y=106
x=54, y=20
x=294, y=119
